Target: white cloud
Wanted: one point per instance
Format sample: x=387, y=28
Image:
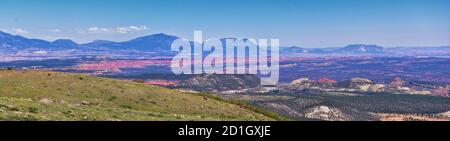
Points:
x=131, y=29
x=98, y=30
x=79, y=31
x=54, y=30
x=93, y=28
x=20, y=31
x=119, y=30
x=50, y=38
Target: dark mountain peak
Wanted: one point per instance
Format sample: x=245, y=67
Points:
x=154, y=42
x=64, y=43
x=295, y=49
x=8, y=35
x=3, y=33
x=158, y=36
x=20, y=42
x=101, y=41
x=361, y=48
x=63, y=40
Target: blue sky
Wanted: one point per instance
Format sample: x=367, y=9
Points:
x=307, y=23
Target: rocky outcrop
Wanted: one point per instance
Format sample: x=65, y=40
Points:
x=327, y=113
x=445, y=114
x=440, y=91
x=359, y=83
x=301, y=83
x=397, y=82
x=217, y=82
x=397, y=86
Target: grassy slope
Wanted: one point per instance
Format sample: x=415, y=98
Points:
x=39, y=95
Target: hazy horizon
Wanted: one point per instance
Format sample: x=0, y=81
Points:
x=231, y=37
x=304, y=23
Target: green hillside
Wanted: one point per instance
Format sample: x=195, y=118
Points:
x=41, y=95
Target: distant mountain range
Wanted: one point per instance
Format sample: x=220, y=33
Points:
x=64, y=43
x=360, y=48
x=19, y=42
x=350, y=49
x=161, y=43
x=153, y=42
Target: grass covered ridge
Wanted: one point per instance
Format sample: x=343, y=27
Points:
x=41, y=95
